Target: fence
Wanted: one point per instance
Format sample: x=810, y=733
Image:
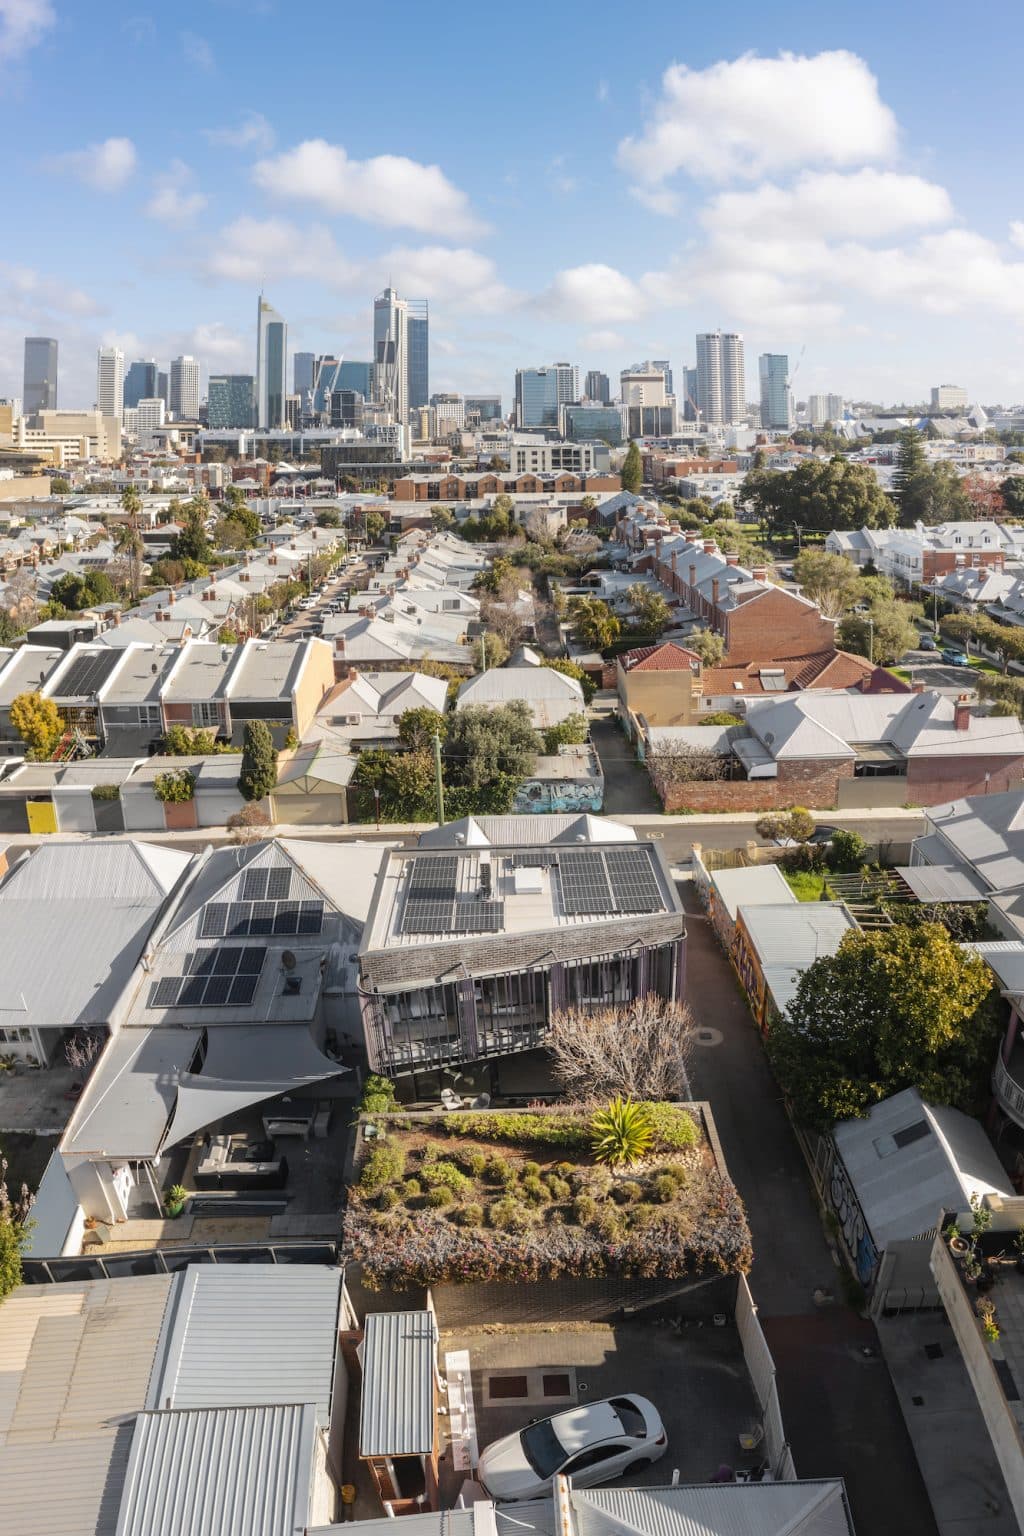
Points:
x=761, y=1367
x=167, y=1261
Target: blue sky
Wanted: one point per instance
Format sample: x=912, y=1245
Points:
x=563, y=180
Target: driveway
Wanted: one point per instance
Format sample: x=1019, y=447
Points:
x=928, y=667
x=841, y=1413
x=627, y=789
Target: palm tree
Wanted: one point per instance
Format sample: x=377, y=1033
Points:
x=127, y=540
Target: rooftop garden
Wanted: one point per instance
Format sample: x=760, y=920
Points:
x=531, y=1195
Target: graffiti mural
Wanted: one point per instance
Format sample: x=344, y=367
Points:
x=842, y=1197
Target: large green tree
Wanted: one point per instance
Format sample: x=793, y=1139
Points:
x=819, y=495
x=828, y=580
x=191, y=541
x=128, y=540
x=884, y=633
x=594, y=622
x=632, y=472
x=418, y=727
x=894, y=1008
x=236, y=507
x=651, y=611
x=487, y=744
x=37, y=721
x=1013, y=494
x=76, y=591
x=404, y=781
x=924, y=492
x=259, y=762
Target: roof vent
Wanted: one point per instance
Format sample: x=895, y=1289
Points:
x=288, y=961
x=768, y=738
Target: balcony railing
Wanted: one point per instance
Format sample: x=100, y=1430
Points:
x=1008, y=1090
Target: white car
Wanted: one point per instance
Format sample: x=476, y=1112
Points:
x=592, y=1444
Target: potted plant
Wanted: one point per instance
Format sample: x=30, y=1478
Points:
x=990, y=1328
x=174, y=1200
x=972, y=1266
x=958, y=1244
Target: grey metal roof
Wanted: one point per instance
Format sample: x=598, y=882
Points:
x=760, y=885
x=942, y=882
x=715, y=1509
x=251, y=1334
x=986, y=832
x=220, y=1472
x=397, y=1413
x=788, y=936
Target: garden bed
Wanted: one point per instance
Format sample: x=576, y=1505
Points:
x=505, y=1195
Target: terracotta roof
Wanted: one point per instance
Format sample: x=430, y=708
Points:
x=817, y=669
x=834, y=669
x=667, y=657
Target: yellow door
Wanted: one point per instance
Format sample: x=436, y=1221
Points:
x=42, y=816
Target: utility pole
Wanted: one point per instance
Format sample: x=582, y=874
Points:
x=483, y=654
x=438, y=779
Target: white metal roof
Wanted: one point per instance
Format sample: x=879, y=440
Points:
x=718, y=1509
x=902, y=1189
x=220, y=1472
x=796, y=936
x=399, y=1357
x=250, y=1334
x=942, y=882
x=759, y=886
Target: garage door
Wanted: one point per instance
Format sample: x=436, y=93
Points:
x=307, y=810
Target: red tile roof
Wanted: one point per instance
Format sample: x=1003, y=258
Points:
x=819, y=669
x=667, y=657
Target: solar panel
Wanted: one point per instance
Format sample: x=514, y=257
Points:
x=311, y=917
x=427, y=916
x=584, y=884
x=226, y=963
x=215, y=918
x=433, y=879
x=164, y=994
x=479, y=917
x=254, y=885
x=632, y=880
x=243, y=990
x=86, y=674
x=541, y=859
x=262, y=919
x=286, y=919
x=218, y=989
x=201, y=962
x=238, y=917
x=279, y=884
x=192, y=992
x=251, y=960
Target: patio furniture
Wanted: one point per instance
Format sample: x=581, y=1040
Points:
x=234, y=1163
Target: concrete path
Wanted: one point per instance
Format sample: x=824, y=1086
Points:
x=838, y=1405
x=627, y=789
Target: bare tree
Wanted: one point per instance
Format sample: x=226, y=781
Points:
x=676, y=764
x=500, y=610
x=248, y=825
x=639, y=1049
x=83, y=1047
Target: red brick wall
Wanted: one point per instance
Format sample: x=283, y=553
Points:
x=811, y=784
x=933, y=780
x=938, y=562
x=776, y=624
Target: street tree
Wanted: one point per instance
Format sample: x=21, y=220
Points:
x=639, y=1050
x=894, y=1008
x=259, y=762
x=831, y=581
x=632, y=472
x=883, y=634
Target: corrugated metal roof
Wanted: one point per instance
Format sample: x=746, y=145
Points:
x=438, y=1522
x=220, y=1472
x=760, y=885
x=784, y=936
x=251, y=1334
x=942, y=882
x=397, y=1414
x=715, y=1509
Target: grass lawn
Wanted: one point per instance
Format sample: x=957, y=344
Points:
x=806, y=884
x=901, y=672
x=978, y=665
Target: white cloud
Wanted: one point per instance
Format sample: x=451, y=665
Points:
x=750, y=116
x=443, y=274
x=260, y=250
x=603, y=341
x=197, y=51
x=603, y=91
x=867, y=204
x=594, y=294
x=1017, y=232
x=23, y=24
x=24, y=292
x=219, y=347
x=253, y=132
x=174, y=199
x=656, y=199
x=105, y=166
x=387, y=189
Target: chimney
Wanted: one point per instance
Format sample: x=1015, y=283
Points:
x=115, y=617
x=732, y=558
x=691, y=535
x=917, y=688
x=714, y=590
x=353, y=673
x=693, y=575
x=710, y=547
x=759, y=573
x=962, y=713
x=983, y=572
x=675, y=560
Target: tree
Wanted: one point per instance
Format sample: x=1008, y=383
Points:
x=632, y=472
x=818, y=495
x=639, y=1050
x=1012, y=490
x=653, y=614
x=441, y=518
x=793, y=826
x=676, y=764
x=191, y=541
x=127, y=539
x=418, y=727
x=15, y=1226
x=490, y=744
x=594, y=622
x=38, y=722
x=75, y=591
x=330, y=517
x=924, y=492
x=572, y=669
x=708, y=644
x=495, y=650
x=894, y=1008
x=229, y=534
x=884, y=634
x=18, y=605
x=59, y=486
x=831, y=581
x=248, y=825
x=375, y=525
x=984, y=496
x=405, y=783
x=259, y=762
x=570, y=732
x=719, y=717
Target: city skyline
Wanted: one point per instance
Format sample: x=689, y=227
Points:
x=857, y=231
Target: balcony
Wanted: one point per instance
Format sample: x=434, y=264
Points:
x=1008, y=1083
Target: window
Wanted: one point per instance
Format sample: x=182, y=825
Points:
x=206, y=713
x=592, y=1458
x=542, y=1448
x=149, y=714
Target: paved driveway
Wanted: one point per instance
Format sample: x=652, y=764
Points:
x=838, y=1405
x=627, y=789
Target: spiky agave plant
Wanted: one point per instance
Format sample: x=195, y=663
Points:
x=622, y=1133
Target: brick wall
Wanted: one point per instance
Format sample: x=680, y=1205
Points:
x=811, y=784
x=775, y=624
x=933, y=780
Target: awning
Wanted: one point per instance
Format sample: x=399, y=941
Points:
x=757, y=760
x=245, y=1066
x=942, y=882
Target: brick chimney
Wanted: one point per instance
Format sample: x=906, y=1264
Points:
x=759, y=572
x=675, y=560
x=710, y=547
x=917, y=688
x=732, y=558
x=714, y=590
x=693, y=575
x=691, y=535
x=962, y=713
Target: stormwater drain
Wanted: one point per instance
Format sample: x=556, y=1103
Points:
x=708, y=1037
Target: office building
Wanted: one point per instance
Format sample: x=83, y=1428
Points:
x=401, y=354
x=303, y=369
x=643, y=384
x=945, y=397
x=163, y=388
x=327, y=377
x=418, y=326
x=110, y=382
x=356, y=376
x=583, y=423
x=689, y=405
x=776, y=397
x=484, y=407
x=541, y=393
x=140, y=383
x=649, y=420
x=824, y=408
x=449, y=413
x=347, y=408
x=39, y=391
x=597, y=388
x=271, y=367
x=229, y=401
x=666, y=368
x=150, y=415
x=721, y=381
x=184, y=389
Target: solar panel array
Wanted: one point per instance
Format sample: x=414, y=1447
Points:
x=266, y=885
x=585, y=888
x=87, y=673
x=433, y=904
x=599, y=881
x=248, y=919
x=225, y=976
x=434, y=879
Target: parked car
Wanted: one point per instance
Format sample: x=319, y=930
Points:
x=591, y=1444
x=955, y=657
x=926, y=643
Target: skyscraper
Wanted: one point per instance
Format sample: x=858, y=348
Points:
x=303, y=365
x=823, y=408
x=163, y=388
x=229, y=401
x=690, y=394
x=140, y=383
x=776, y=399
x=39, y=391
x=541, y=392
x=598, y=387
x=151, y=415
x=666, y=368
x=271, y=367
x=184, y=389
x=110, y=382
x=357, y=376
x=721, y=381
x=401, y=353
x=419, y=353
